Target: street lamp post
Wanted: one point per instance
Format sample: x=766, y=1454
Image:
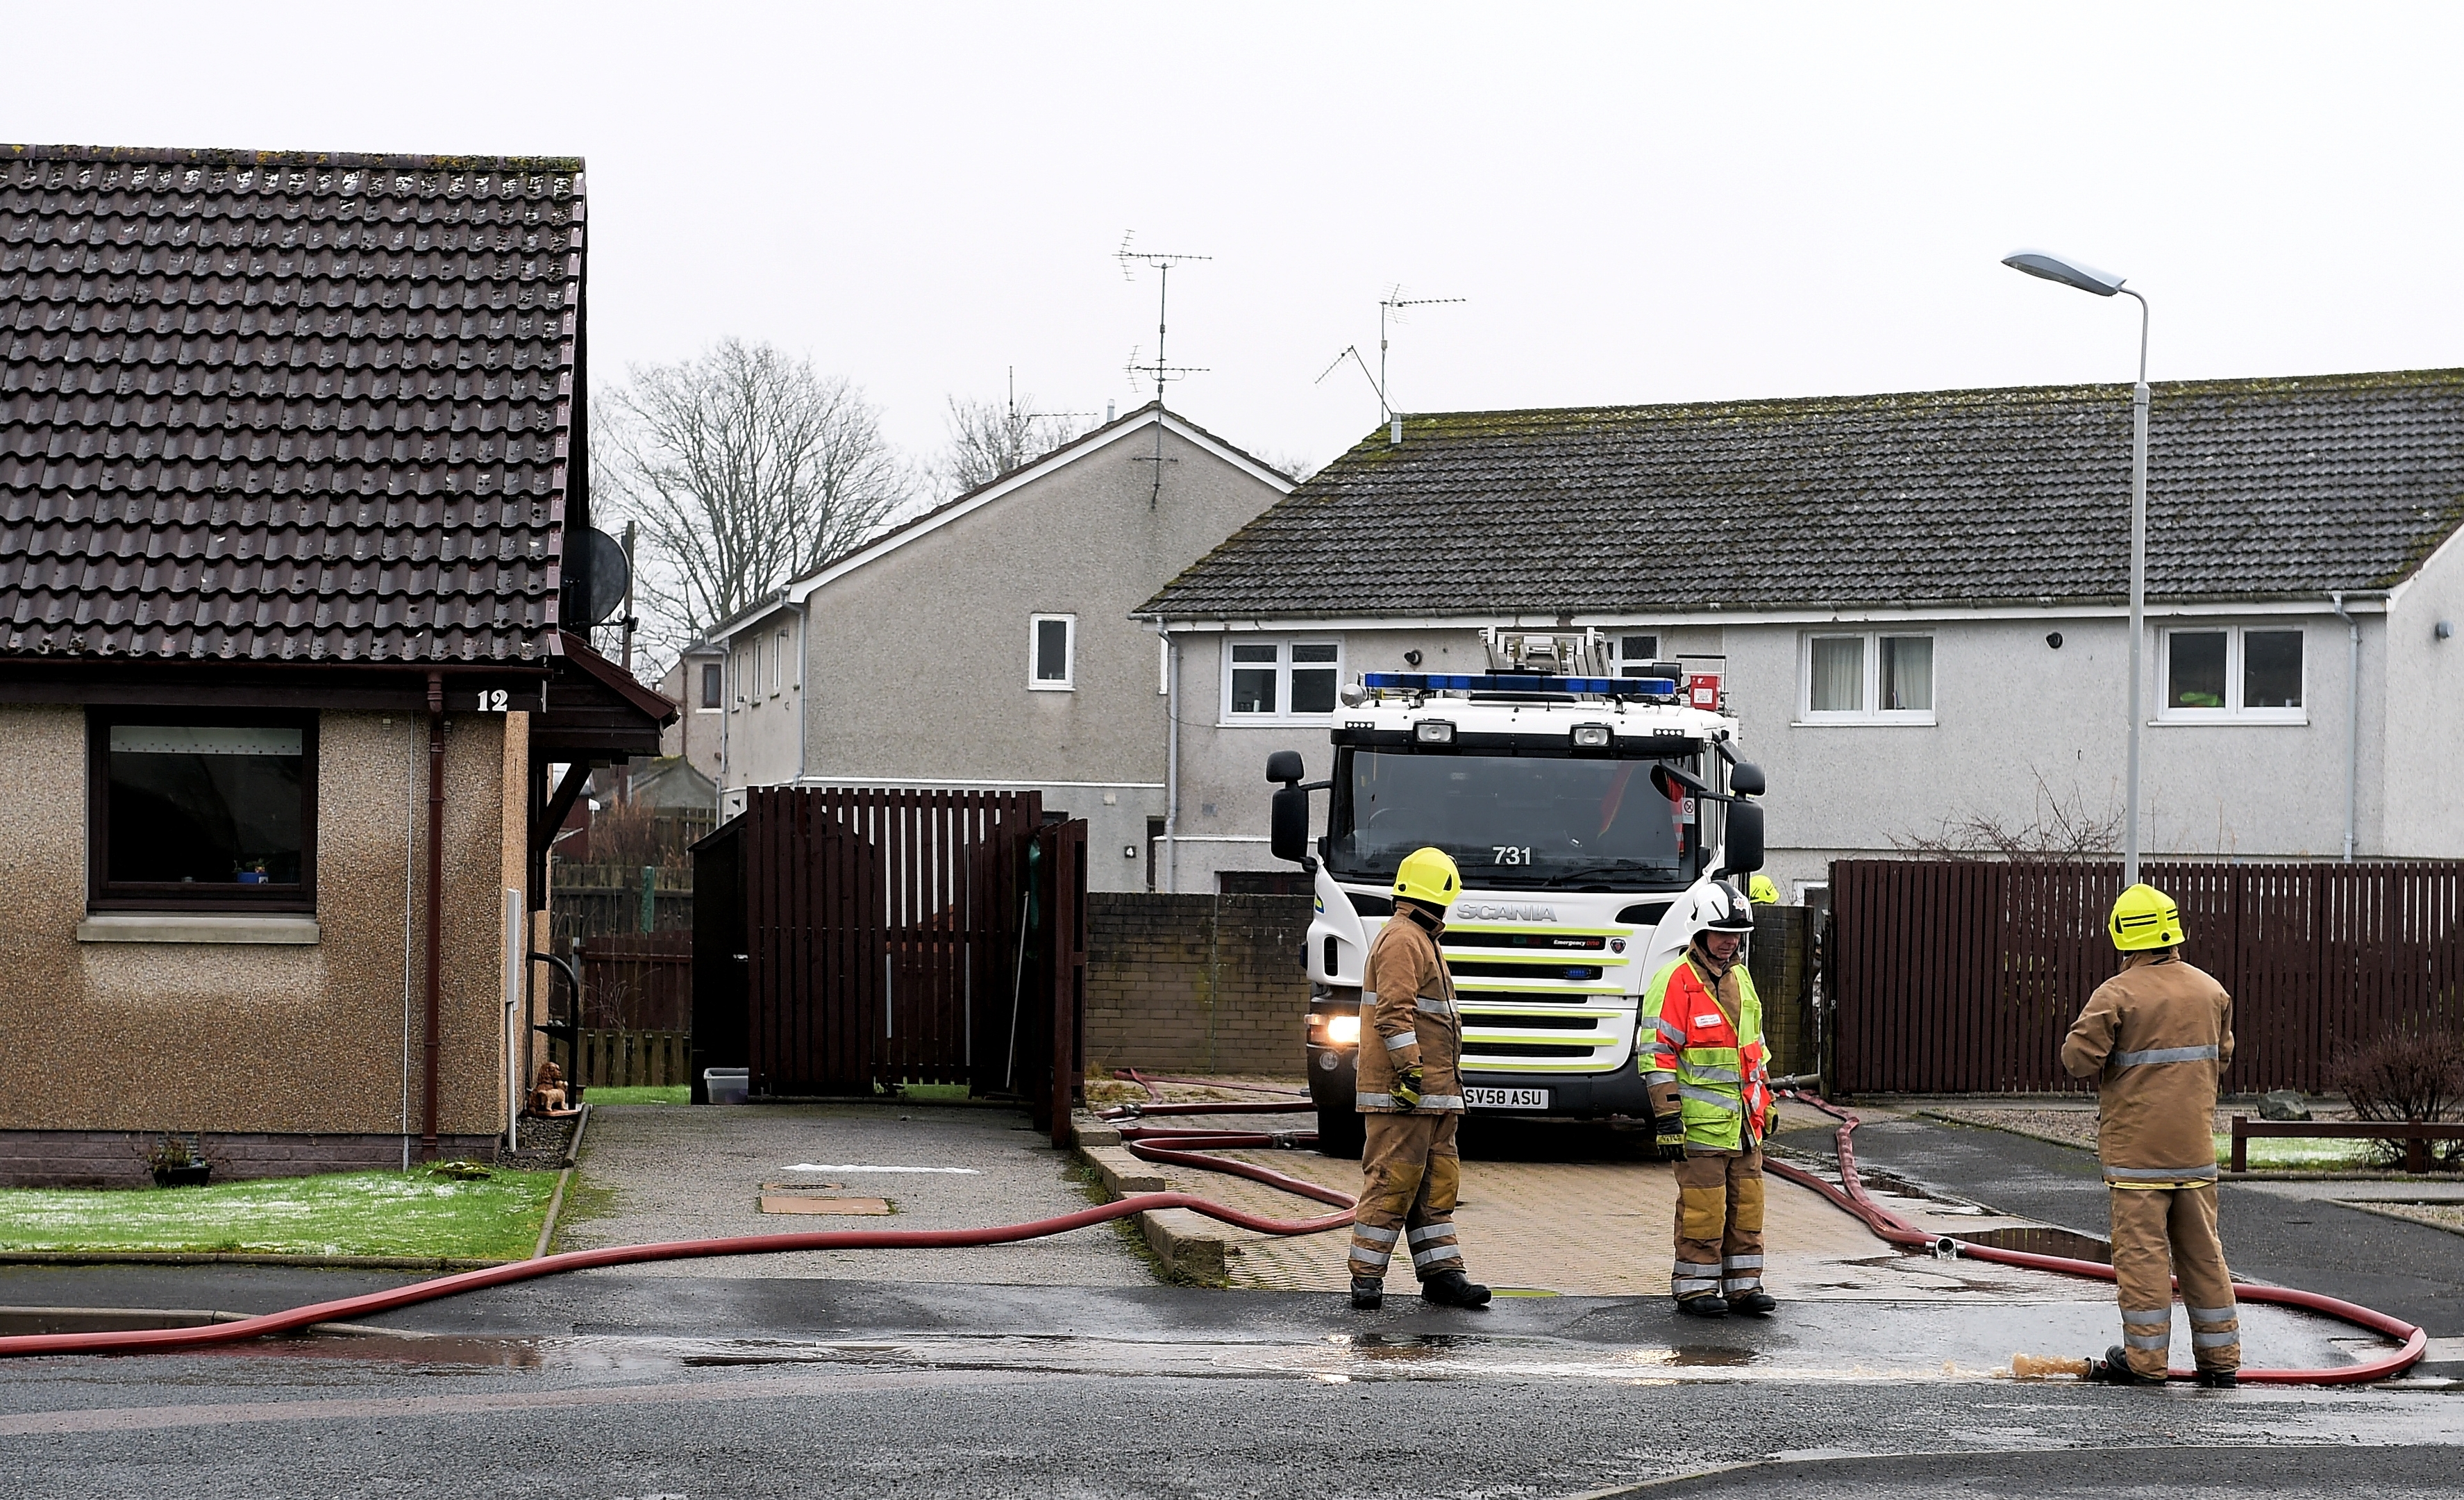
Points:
x=2087, y=278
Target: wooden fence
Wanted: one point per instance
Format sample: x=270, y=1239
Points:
x=637, y=981
x=851, y=938
x=1957, y=975
x=587, y=901
x=635, y=1059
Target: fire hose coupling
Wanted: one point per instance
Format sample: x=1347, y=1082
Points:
x=1946, y=1248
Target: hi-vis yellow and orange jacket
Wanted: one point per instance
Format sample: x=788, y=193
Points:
x=1705, y=1037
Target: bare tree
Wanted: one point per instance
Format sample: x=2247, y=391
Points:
x=745, y=467
x=2056, y=830
x=990, y=438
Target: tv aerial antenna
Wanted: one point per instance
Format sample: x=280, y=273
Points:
x=1159, y=371
x=1390, y=310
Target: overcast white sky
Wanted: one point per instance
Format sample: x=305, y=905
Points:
x=1639, y=203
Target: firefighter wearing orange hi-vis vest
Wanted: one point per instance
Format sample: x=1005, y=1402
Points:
x=2157, y=1037
x=1709, y=1075
x=1411, y=1095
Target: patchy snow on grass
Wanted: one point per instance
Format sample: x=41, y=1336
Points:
x=353, y=1213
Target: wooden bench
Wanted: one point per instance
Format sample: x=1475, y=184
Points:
x=2416, y=1135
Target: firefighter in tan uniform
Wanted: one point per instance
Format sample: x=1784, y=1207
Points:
x=1411, y=1045
x=2157, y=1037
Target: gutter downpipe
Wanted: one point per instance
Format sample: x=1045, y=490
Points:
x=1171, y=758
x=435, y=920
x=2353, y=724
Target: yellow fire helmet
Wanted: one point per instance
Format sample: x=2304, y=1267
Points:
x=2145, y=918
x=1429, y=874
x=1761, y=891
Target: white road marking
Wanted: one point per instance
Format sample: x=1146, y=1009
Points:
x=807, y=1167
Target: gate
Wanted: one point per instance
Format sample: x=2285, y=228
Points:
x=1960, y=975
x=849, y=940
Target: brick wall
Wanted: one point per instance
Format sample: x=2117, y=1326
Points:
x=1195, y=983
x=117, y=1158
x=1780, y=960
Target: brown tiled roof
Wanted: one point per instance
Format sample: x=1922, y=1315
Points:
x=285, y=407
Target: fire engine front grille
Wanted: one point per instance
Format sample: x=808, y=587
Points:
x=1523, y=1023
x=1524, y=1049
x=1473, y=969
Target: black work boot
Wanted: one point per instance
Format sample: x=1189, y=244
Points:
x=2219, y=1380
x=1758, y=1302
x=1452, y=1288
x=2114, y=1369
x=1704, y=1305
x=1368, y=1293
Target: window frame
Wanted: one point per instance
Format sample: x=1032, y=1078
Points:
x=1284, y=667
x=1873, y=636
x=714, y=688
x=1619, y=661
x=1067, y=681
x=778, y=663
x=104, y=894
x=2233, y=712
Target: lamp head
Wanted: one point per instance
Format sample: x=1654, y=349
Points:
x=2069, y=272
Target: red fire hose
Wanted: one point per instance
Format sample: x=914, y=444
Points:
x=1850, y=1194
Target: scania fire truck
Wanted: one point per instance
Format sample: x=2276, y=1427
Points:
x=1578, y=804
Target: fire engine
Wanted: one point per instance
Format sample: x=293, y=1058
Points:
x=1579, y=805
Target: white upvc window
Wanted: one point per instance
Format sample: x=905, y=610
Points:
x=2237, y=673
x=779, y=664
x=1052, y=653
x=1267, y=678
x=1163, y=664
x=1630, y=653
x=1866, y=677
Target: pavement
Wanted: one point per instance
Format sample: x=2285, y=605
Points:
x=1067, y=1370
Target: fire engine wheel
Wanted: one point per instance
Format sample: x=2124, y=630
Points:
x=1340, y=1134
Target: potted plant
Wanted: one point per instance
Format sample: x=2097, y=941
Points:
x=252, y=873
x=175, y=1163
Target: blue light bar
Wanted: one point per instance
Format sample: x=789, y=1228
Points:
x=1518, y=682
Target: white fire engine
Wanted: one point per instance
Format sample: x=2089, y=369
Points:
x=1578, y=805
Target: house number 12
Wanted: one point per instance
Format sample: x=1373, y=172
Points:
x=493, y=701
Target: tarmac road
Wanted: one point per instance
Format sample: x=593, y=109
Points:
x=608, y=1384
x=2279, y=1232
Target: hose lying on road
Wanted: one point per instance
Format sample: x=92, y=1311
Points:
x=1850, y=1194
x=1148, y=1083
x=169, y=1340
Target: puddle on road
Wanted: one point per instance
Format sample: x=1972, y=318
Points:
x=2042, y=1241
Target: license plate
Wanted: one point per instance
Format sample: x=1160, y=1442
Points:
x=1507, y=1098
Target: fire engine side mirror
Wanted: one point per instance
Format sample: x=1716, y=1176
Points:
x=1285, y=766
x=1745, y=779
x=1745, y=838
x=1288, y=824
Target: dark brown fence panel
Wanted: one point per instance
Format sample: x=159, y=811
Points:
x=640, y=981
x=1961, y=975
x=880, y=937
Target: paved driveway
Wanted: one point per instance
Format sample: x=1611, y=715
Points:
x=653, y=1172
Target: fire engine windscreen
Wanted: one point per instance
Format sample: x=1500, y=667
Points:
x=1524, y=822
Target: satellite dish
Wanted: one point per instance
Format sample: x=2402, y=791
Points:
x=603, y=576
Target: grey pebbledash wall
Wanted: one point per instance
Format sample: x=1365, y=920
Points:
x=1195, y=983
x=117, y=1158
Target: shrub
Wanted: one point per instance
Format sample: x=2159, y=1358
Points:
x=2404, y=1076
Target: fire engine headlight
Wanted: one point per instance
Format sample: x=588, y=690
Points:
x=1434, y=732
x=1593, y=736
x=1343, y=1030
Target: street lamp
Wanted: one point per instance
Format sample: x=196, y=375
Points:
x=2087, y=278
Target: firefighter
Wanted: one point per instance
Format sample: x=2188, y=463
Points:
x=2157, y=1037
x=1761, y=891
x=1708, y=1076
x=1411, y=1044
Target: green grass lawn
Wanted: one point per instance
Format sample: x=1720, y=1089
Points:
x=2293, y=1153
x=347, y=1213
x=599, y=1093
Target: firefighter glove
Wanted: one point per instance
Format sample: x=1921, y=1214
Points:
x=1669, y=1128
x=1407, y=1088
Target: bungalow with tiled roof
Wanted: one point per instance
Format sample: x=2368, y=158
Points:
x=291, y=492
x=1917, y=603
